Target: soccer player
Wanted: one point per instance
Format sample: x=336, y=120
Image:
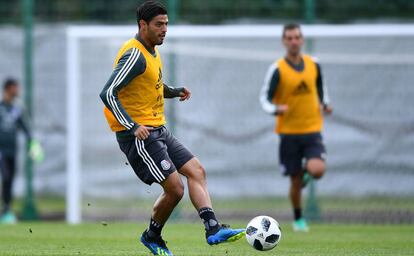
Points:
x=11, y=121
x=294, y=93
x=134, y=108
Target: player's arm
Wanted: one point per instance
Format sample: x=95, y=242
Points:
x=35, y=148
x=22, y=124
x=130, y=65
x=171, y=92
x=322, y=91
x=268, y=90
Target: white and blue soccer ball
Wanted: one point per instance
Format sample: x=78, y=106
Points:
x=263, y=233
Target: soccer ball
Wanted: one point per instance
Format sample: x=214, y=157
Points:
x=263, y=233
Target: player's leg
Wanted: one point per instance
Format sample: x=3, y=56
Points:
x=191, y=168
x=197, y=185
x=8, y=173
x=197, y=188
x=315, y=155
x=168, y=200
x=199, y=195
x=290, y=156
x=163, y=207
x=295, y=194
x=151, y=163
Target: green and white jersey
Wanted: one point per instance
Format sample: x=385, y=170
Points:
x=11, y=121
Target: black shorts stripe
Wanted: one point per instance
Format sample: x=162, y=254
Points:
x=156, y=173
x=156, y=157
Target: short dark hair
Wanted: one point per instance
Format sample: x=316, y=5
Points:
x=9, y=82
x=149, y=9
x=290, y=26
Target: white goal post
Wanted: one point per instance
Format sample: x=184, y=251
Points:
x=77, y=33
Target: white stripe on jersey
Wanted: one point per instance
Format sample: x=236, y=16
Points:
x=118, y=79
x=268, y=106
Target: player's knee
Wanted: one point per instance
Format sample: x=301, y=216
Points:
x=316, y=168
x=318, y=174
x=198, y=173
x=174, y=188
x=201, y=172
x=175, y=194
x=178, y=192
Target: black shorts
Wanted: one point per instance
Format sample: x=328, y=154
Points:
x=156, y=157
x=7, y=167
x=295, y=148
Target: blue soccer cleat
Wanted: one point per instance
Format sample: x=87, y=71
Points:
x=157, y=246
x=225, y=234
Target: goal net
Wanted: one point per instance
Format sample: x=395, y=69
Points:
x=369, y=138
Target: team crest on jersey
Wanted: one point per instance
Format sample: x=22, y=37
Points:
x=301, y=88
x=165, y=165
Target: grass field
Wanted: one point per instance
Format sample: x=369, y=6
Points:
x=188, y=239
x=366, y=210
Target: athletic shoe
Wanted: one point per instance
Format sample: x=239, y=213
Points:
x=300, y=225
x=225, y=234
x=305, y=179
x=157, y=246
x=8, y=218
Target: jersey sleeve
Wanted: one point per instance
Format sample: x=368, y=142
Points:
x=130, y=65
x=269, y=88
x=22, y=124
x=171, y=92
x=322, y=91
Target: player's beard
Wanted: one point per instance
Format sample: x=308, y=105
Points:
x=157, y=38
x=160, y=40
x=294, y=51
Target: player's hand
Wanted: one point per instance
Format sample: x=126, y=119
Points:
x=36, y=152
x=281, y=109
x=143, y=132
x=185, y=94
x=327, y=109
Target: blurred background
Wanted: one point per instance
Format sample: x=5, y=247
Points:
x=369, y=138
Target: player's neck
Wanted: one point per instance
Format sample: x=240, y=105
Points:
x=147, y=44
x=294, y=59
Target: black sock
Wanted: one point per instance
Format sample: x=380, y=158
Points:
x=154, y=229
x=297, y=213
x=210, y=221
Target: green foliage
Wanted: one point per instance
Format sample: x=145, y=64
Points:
x=211, y=11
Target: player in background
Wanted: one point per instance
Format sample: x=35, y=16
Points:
x=293, y=91
x=134, y=108
x=11, y=121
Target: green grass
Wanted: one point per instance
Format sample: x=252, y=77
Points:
x=188, y=239
x=48, y=204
